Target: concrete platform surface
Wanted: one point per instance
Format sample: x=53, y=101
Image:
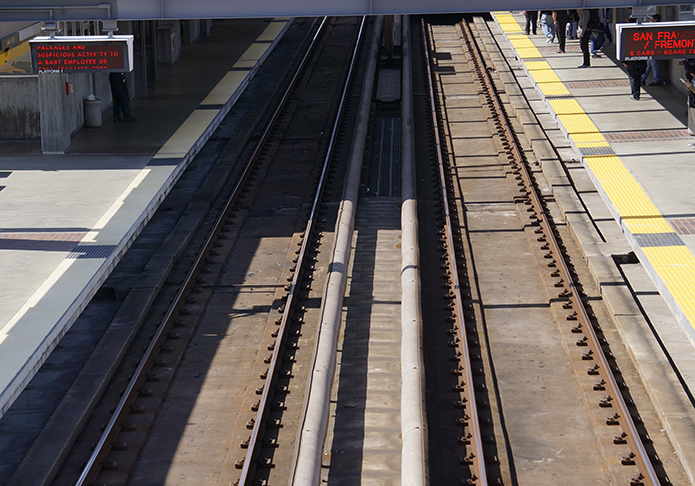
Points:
x=620, y=172
x=67, y=220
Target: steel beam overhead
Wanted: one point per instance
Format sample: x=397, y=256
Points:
x=27, y=10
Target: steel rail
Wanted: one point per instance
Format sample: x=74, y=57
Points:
x=306, y=241
x=615, y=397
x=476, y=458
x=113, y=428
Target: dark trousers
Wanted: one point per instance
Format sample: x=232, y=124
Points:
x=584, y=43
x=635, y=84
x=560, y=27
x=635, y=70
x=531, y=17
x=121, y=99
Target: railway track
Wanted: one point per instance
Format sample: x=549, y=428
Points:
x=232, y=334
x=540, y=391
x=279, y=345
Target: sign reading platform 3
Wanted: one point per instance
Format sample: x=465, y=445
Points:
x=82, y=53
x=655, y=40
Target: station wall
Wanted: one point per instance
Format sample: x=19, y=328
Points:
x=19, y=103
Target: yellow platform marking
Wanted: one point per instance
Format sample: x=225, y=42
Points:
x=195, y=125
x=639, y=213
x=225, y=88
x=537, y=65
x=271, y=32
x=566, y=107
x=522, y=42
x=545, y=76
x=254, y=52
x=675, y=265
x=580, y=139
x=594, y=144
x=509, y=22
x=183, y=139
x=579, y=123
x=553, y=89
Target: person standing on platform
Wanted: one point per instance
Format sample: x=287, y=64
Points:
x=584, y=19
x=531, y=17
x=548, y=25
x=121, y=97
x=653, y=65
x=635, y=70
x=561, y=18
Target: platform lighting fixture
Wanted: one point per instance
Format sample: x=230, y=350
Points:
x=51, y=27
x=109, y=26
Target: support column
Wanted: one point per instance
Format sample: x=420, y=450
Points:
x=55, y=130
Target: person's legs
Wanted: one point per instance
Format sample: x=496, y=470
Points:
x=584, y=43
x=656, y=67
x=646, y=73
x=116, y=104
x=561, y=37
x=124, y=100
x=635, y=76
x=534, y=20
x=544, y=26
x=634, y=86
x=596, y=42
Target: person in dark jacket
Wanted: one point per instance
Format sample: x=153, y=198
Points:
x=121, y=97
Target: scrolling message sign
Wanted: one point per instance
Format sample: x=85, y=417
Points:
x=68, y=54
x=655, y=40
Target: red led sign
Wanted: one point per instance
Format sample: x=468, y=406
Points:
x=656, y=40
x=79, y=57
x=81, y=54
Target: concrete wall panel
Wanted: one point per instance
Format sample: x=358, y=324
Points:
x=19, y=107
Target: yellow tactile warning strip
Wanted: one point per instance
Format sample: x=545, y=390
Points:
x=675, y=265
x=672, y=261
x=195, y=125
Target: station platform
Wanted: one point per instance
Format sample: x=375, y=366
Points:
x=68, y=219
x=620, y=171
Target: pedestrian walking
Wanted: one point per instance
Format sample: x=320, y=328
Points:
x=548, y=25
x=635, y=70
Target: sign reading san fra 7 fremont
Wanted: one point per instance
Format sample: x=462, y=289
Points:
x=655, y=40
x=68, y=54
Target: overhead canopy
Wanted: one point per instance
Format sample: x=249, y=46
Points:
x=211, y=9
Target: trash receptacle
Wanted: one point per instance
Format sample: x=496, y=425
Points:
x=92, y=113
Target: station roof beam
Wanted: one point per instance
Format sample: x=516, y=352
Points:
x=212, y=9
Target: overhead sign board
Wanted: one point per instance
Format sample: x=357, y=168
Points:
x=655, y=40
x=68, y=54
